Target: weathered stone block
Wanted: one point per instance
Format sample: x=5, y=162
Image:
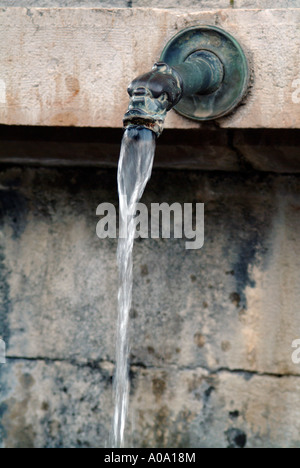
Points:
x=190, y=4
x=71, y=67
x=52, y=404
x=211, y=330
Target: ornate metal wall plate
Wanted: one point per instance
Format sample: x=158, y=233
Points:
x=236, y=73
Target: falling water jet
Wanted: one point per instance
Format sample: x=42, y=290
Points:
x=202, y=74
x=134, y=171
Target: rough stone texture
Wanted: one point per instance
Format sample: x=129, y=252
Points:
x=211, y=329
x=191, y=4
x=71, y=67
x=53, y=404
x=213, y=4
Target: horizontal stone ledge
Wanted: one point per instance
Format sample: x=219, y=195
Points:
x=190, y=4
x=222, y=150
x=72, y=66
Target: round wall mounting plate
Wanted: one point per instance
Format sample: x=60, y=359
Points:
x=236, y=72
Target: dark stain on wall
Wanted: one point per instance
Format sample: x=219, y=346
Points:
x=5, y=303
x=13, y=209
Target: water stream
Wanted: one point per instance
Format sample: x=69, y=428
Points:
x=134, y=171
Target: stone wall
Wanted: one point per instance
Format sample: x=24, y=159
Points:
x=211, y=329
x=190, y=4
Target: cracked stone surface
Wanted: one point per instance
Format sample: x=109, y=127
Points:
x=211, y=329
